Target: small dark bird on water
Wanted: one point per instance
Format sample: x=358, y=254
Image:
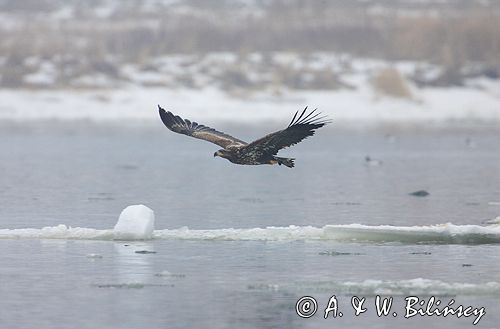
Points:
x=420, y=193
x=261, y=151
x=372, y=162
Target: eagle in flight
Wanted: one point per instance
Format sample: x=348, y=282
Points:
x=261, y=151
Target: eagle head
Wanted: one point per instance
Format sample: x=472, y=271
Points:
x=221, y=153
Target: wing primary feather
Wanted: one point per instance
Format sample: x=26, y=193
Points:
x=313, y=118
x=166, y=117
x=179, y=121
x=321, y=120
x=301, y=115
x=309, y=121
x=294, y=122
x=306, y=117
x=316, y=119
x=291, y=122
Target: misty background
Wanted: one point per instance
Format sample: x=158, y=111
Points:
x=246, y=49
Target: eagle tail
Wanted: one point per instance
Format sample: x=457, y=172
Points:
x=286, y=161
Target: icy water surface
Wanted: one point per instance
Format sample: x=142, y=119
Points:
x=199, y=273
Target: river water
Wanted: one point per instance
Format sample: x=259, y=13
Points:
x=238, y=246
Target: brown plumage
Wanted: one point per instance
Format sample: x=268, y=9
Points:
x=261, y=151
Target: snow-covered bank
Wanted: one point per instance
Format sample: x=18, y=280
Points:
x=136, y=103
x=229, y=87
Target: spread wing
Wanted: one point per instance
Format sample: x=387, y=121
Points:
x=193, y=129
x=301, y=127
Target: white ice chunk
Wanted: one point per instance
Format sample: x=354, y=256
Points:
x=136, y=222
x=494, y=220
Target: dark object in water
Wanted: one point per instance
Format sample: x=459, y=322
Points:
x=466, y=265
x=372, y=162
x=145, y=252
x=420, y=253
x=337, y=253
x=420, y=193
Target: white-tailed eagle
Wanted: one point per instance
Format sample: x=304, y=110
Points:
x=261, y=151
